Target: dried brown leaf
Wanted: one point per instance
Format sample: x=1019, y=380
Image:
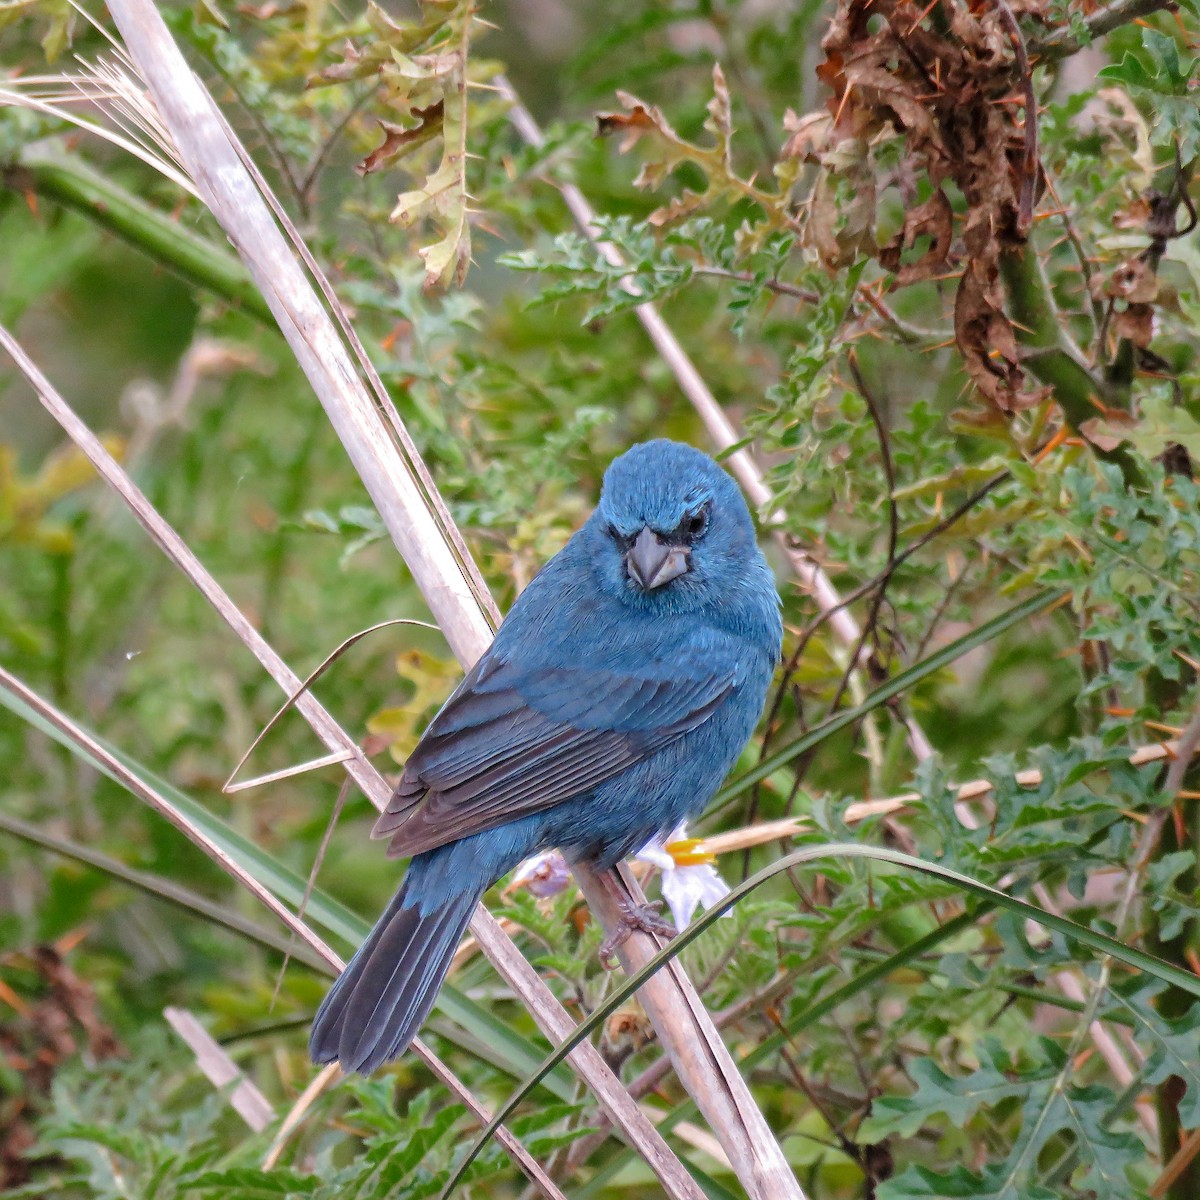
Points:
x=720, y=113
x=1136, y=323
x=354, y=65
x=399, y=139
x=1101, y=431
x=948, y=94
x=678, y=209
x=638, y=120
x=891, y=96
x=1134, y=215
x=56, y=1015
x=934, y=219
x=807, y=135
x=1134, y=281
x=986, y=339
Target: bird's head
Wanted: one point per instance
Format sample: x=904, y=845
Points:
x=671, y=530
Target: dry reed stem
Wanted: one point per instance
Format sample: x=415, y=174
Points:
x=206, y=147
x=220, y=1070
x=550, y=1016
x=718, y=426
x=316, y=1085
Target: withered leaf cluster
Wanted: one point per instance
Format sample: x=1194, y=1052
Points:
x=421, y=67
x=49, y=1015
x=667, y=150
x=949, y=79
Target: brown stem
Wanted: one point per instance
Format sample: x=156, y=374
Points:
x=1029, y=159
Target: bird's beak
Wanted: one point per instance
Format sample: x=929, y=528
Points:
x=653, y=562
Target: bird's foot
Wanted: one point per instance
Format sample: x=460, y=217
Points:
x=640, y=918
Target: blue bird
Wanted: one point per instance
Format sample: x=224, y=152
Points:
x=612, y=703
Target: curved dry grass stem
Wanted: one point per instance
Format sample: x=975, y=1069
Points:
x=229, y=787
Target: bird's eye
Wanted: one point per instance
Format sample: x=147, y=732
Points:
x=617, y=536
x=694, y=524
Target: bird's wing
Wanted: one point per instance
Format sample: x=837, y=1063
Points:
x=511, y=741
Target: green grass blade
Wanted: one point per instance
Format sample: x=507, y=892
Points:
x=163, y=889
x=893, y=687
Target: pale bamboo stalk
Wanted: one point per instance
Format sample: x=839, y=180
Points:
x=718, y=426
x=215, y=168
x=551, y=1017
x=701, y=1060
x=206, y=149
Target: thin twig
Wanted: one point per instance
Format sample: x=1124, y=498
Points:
x=889, y=473
x=772, y=285
x=946, y=523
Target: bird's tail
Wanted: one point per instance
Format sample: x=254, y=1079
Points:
x=378, y=1003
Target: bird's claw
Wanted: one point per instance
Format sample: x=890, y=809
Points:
x=642, y=918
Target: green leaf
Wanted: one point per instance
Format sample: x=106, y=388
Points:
x=939, y=1093
x=1171, y=1043
x=247, y=1180
x=1162, y=423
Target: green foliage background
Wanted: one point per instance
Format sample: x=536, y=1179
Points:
x=953, y=1064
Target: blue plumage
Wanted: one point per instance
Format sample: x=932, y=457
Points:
x=615, y=698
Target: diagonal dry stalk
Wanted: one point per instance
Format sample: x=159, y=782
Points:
x=131, y=781
x=206, y=147
x=220, y=1070
x=718, y=426
x=551, y=1017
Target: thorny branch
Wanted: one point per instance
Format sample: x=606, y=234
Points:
x=885, y=576
x=1029, y=165
x=1063, y=42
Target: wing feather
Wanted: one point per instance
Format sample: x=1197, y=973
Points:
x=509, y=743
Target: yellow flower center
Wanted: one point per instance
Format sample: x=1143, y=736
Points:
x=690, y=852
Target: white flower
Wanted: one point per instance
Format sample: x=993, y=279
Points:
x=689, y=878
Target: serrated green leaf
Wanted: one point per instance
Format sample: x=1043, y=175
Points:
x=936, y=1093
x=248, y=1181
x=922, y=1183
